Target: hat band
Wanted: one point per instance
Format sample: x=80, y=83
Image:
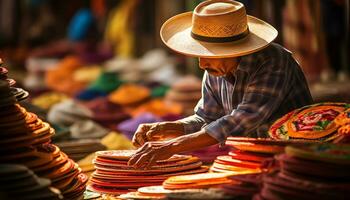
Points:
x=220, y=39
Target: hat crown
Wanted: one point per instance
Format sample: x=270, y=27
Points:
x=219, y=19
x=218, y=8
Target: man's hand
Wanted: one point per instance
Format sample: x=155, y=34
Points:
x=151, y=152
x=157, y=131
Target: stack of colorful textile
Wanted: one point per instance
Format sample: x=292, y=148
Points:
x=61, y=78
x=3, y=75
x=114, y=176
x=26, y=140
x=160, y=108
x=112, y=141
x=248, y=153
x=68, y=112
x=159, y=91
x=79, y=149
x=104, y=84
x=313, y=123
x=244, y=186
x=318, y=171
x=209, y=154
x=128, y=127
x=252, y=155
x=18, y=93
x=87, y=129
x=18, y=182
x=106, y=113
x=204, y=180
x=211, y=184
x=36, y=67
x=90, y=119
x=199, y=194
x=186, y=92
x=47, y=100
x=88, y=74
x=158, y=192
x=3, y=71
x=129, y=95
x=149, y=192
x=343, y=121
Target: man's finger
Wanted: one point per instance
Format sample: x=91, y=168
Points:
x=151, y=161
x=135, y=142
x=142, y=160
x=139, y=152
x=154, y=132
x=134, y=158
x=139, y=137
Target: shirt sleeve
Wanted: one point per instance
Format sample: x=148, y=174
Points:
x=263, y=95
x=192, y=123
x=207, y=109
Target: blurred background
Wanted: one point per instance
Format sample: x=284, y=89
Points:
x=96, y=69
x=108, y=52
x=35, y=35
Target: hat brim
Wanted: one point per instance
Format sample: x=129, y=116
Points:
x=176, y=34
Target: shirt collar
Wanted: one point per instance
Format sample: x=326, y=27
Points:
x=242, y=66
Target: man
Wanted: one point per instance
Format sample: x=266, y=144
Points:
x=248, y=81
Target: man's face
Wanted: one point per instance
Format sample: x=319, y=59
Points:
x=218, y=66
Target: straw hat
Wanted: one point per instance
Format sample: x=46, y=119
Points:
x=217, y=29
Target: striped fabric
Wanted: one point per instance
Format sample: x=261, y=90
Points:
x=265, y=85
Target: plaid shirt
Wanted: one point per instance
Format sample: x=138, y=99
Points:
x=265, y=85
